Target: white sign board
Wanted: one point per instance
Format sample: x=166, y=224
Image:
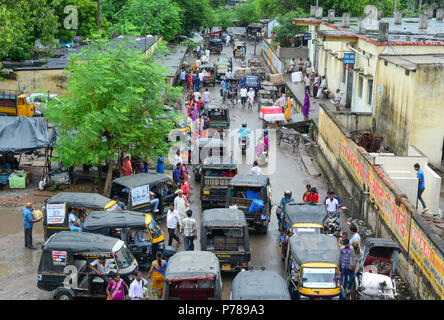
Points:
x=140, y=195
x=55, y=213
x=296, y=76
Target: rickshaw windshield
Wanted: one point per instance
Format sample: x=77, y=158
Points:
x=319, y=278
x=123, y=257
x=155, y=230
x=251, y=81
x=113, y=207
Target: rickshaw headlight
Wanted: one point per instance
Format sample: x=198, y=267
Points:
x=131, y=278
x=161, y=246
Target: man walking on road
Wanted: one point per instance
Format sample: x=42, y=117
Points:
x=28, y=222
x=255, y=169
x=421, y=187
x=307, y=84
x=355, y=235
x=206, y=97
x=172, y=220
x=189, y=231
x=243, y=94
x=181, y=204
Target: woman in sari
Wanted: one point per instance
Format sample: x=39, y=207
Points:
x=306, y=107
x=288, y=107
x=115, y=288
x=184, y=172
x=158, y=268
x=188, y=80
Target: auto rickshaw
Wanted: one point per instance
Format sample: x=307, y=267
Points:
x=55, y=212
x=134, y=191
x=301, y=218
x=193, y=275
x=215, y=176
x=125, y=224
x=179, y=120
x=205, y=148
x=64, y=263
x=251, y=194
x=221, y=69
x=219, y=115
x=225, y=233
x=251, y=81
x=312, y=267
x=252, y=30
x=259, y=285
x=374, y=280
x=240, y=49
x=210, y=79
x=215, y=45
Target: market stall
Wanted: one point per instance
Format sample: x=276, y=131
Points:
x=18, y=136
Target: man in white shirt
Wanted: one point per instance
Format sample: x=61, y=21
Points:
x=206, y=97
x=136, y=288
x=196, y=95
x=181, y=204
x=332, y=204
x=307, y=83
x=101, y=265
x=172, y=220
x=198, y=63
x=243, y=94
x=201, y=76
x=207, y=53
x=355, y=236
x=250, y=97
x=255, y=169
x=227, y=40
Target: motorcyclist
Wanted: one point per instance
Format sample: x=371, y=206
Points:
x=287, y=198
x=244, y=131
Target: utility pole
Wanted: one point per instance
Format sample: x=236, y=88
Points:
x=99, y=15
x=144, y=14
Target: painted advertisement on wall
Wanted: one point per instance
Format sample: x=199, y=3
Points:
x=272, y=57
x=427, y=257
x=395, y=216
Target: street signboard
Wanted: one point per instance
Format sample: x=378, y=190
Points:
x=307, y=35
x=349, y=58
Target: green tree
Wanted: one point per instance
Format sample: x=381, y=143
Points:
x=162, y=17
x=221, y=17
x=247, y=12
x=21, y=24
x=356, y=8
x=87, y=20
x=194, y=14
x=111, y=9
x=112, y=106
x=285, y=30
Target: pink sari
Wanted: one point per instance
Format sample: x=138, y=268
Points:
x=116, y=291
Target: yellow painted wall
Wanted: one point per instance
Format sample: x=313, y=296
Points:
x=427, y=112
x=31, y=80
x=409, y=110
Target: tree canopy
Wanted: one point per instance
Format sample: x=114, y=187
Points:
x=115, y=96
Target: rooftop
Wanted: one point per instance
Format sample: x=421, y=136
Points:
x=173, y=60
x=411, y=62
x=406, y=33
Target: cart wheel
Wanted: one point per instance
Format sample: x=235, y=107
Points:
x=63, y=295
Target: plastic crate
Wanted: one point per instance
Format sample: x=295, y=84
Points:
x=4, y=178
x=18, y=182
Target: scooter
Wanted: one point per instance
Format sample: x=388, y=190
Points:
x=333, y=224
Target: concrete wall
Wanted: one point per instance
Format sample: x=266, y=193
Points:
x=354, y=121
x=52, y=80
x=289, y=53
x=432, y=180
x=350, y=169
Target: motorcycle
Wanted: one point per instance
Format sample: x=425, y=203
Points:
x=333, y=224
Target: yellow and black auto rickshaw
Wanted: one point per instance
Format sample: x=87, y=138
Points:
x=301, y=218
x=239, y=49
x=312, y=267
x=55, y=212
x=125, y=225
x=215, y=45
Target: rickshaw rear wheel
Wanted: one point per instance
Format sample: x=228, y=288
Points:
x=63, y=295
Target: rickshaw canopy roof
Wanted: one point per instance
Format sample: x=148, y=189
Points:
x=206, y=66
x=102, y=221
x=259, y=285
x=187, y=264
x=81, y=200
x=221, y=163
x=141, y=179
x=215, y=40
x=79, y=242
x=223, y=217
x=306, y=248
x=249, y=180
x=216, y=106
x=304, y=213
x=381, y=242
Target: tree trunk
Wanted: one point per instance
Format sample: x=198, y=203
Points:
x=109, y=178
x=99, y=14
x=419, y=6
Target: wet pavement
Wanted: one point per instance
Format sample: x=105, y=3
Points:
x=18, y=265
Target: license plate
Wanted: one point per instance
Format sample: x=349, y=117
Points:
x=206, y=192
x=226, y=267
